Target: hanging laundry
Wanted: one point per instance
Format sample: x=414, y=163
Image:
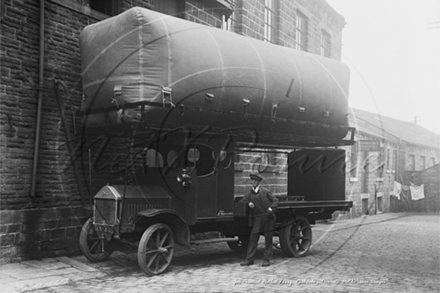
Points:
x=417, y=192
x=397, y=189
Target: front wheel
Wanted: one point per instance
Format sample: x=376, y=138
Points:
x=94, y=248
x=296, y=237
x=156, y=249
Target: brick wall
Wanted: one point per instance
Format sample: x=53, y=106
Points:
x=272, y=167
x=38, y=233
x=199, y=12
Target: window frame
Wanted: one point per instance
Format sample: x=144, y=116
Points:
x=354, y=160
x=301, y=28
x=411, y=162
x=326, y=44
x=422, y=163
x=114, y=9
x=432, y=161
x=269, y=21
x=380, y=164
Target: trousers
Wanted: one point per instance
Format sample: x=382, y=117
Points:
x=266, y=225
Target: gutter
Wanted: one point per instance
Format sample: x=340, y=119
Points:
x=40, y=101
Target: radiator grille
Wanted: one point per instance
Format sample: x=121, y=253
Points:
x=105, y=212
x=132, y=209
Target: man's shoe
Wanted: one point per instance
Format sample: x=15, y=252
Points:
x=247, y=263
x=265, y=263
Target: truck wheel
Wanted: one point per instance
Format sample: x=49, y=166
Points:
x=94, y=248
x=296, y=237
x=156, y=249
x=240, y=245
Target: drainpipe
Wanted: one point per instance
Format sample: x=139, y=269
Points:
x=40, y=101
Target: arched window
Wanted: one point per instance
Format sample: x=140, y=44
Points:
x=153, y=158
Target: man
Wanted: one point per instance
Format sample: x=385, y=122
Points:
x=261, y=204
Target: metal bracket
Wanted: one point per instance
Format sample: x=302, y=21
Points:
x=209, y=97
x=274, y=112
x=117, y=91
x=166, y=97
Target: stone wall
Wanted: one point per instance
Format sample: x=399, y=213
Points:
x=271, y=166
x=36, y=233
x=430, y=178
x=320, y=15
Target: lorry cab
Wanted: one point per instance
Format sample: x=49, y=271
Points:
x=199, y=177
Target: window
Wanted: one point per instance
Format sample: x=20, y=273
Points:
x=422, y=163
x=380, y=164
x=193, y=155
x=109, y=7
x=411, y=163
x=170, y=7
x=268, y=21
x=432, y=161
x=365, y=210
x=301, y=32
x=388, y=158
x=379, y=203
x=353, y=161
x=153, y=158
x=2, y=8
x=325, y=44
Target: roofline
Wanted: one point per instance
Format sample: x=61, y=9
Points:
x=398, y=137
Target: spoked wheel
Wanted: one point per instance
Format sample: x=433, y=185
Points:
x=94, y=248
x=296, y=237
x=156, y=249
x=240, y=245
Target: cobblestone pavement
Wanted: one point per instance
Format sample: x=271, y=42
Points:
x=392, y=255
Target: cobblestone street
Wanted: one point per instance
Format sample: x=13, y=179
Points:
x=391, y=255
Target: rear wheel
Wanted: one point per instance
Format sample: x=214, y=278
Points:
x=94, y=248
x=240, y=245
x=156, y=249
x=296, y=237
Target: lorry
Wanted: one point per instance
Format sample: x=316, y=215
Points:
x=189, y=99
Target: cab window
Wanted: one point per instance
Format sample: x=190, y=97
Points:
x=202, y=158
x=153, y=158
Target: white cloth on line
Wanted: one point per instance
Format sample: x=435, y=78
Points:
x=417, y=192
x=397, y=189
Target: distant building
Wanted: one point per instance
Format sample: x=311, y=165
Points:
x=385, y=150
x=41, y=212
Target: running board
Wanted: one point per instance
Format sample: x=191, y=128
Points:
x=213, y=240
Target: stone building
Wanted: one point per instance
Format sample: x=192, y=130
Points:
x=385, y=150
x=41, y=213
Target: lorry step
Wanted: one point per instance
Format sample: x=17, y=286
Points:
x=213, y=240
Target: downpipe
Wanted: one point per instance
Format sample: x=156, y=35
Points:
x=40, y=102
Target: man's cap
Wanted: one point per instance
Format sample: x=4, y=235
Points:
x=256, y=177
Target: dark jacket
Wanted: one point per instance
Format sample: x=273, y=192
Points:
x=262, y=201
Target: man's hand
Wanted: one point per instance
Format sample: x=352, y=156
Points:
x=270, y=209
x=251, y=205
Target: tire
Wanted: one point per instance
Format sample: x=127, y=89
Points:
x=94, y=248
x=241, y=245
x=296, y=237
x=156, y=249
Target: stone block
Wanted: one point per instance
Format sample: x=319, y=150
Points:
x=7, y=239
